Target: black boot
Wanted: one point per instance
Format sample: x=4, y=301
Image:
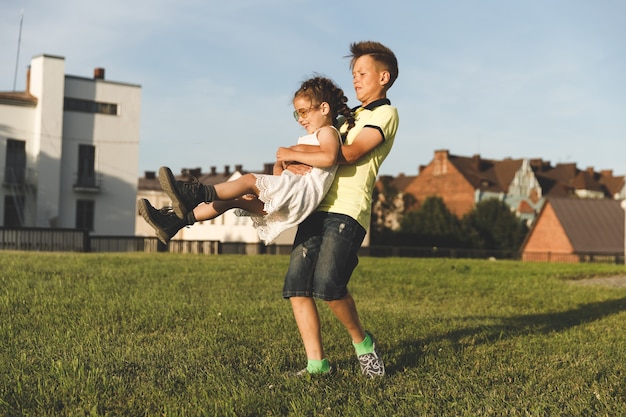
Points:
x=164, y=221
x=184, y=195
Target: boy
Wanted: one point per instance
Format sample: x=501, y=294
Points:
x=325, y=249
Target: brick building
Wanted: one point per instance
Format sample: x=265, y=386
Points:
x=572, y=229
x=522, y=183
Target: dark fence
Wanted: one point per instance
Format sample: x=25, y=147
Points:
x=435, y=252
x=73, y=240
x=611, y=258
x=42, y=239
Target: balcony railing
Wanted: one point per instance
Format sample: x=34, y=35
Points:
x=88, y=184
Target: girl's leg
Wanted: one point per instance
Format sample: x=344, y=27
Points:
x=243, y=185
x=216, y=208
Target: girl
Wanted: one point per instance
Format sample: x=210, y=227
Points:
x=275, y=202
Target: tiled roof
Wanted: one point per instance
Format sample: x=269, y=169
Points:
x=505, y=171
x=487, y=174
x=612, y=184
x=584, y=180
x=524, y=207
x=477, y=171
x=18, y=98
x=149, y=182
x=402, y=181
x=592, y=225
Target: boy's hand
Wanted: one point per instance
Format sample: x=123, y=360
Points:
x=297, y=168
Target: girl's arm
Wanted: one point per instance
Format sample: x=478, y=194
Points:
x=278, y=168
x=322, y=156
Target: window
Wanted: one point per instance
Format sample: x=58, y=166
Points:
x=86, y=166
x=13, y=210
x=15, y=165
x=89, y=106
x=85, y=210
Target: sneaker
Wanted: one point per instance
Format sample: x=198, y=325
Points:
x=185, y=195
x=371, y=363
x=164, y=221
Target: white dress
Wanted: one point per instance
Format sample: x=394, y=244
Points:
x=289, y=198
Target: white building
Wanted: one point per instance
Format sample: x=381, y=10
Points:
x=69, y=149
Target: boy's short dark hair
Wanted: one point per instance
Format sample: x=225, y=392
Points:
x=380, y=53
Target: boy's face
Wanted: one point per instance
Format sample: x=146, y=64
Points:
x=369, y=80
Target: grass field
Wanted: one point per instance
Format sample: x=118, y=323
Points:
x=187, y=335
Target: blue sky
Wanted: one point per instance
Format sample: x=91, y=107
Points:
x=520, y=79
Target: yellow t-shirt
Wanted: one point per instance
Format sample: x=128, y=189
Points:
x=351, y=191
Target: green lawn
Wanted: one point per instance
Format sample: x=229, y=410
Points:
x=174, y=335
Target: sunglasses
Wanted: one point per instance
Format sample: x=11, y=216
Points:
x=297, y=114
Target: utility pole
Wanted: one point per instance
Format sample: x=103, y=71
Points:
x=624, y=207
x=17, y=59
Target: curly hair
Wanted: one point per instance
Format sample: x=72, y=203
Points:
x=321, y=89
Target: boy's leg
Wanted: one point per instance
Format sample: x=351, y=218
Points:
x=346, y=312
x=308, y=322
x=298, y=290
x=338, y=256
x=370, y=362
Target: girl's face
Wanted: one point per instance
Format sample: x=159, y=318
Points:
x=310, y=116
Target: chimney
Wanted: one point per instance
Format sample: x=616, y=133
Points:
x=98, y=74
x=150, y=175
x=28, y=80
x=476, y=161
x=213, y=170
x=226, y=169
x=239, y=168
x=268, y=169
x=440, y=162
x=590, y=171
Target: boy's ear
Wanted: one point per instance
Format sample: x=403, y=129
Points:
x=385, y=76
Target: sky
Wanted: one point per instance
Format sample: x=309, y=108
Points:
x=503, y=79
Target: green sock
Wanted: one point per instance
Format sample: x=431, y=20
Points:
x=366, y=346
x=317, y=366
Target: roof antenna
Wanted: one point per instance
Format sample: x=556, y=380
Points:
x=19, y=41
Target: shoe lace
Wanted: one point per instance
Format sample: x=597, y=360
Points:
x=192, y=186
x=166, y=210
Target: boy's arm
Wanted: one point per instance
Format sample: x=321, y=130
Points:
x=365, y=141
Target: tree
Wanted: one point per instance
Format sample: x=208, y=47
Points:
x=432, y=225
x=496, y=225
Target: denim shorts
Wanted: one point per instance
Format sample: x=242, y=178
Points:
x=324, y=254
